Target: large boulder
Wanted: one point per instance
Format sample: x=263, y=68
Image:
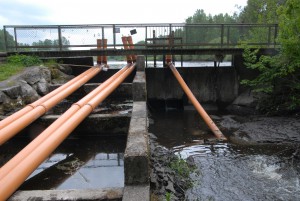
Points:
x=59, y=77
x=245, y=103
x=3, y=97
x=42, y=87
x=28, y=93
x=34, y=74
x=12, y=92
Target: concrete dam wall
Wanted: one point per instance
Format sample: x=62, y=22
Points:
x=209, y=85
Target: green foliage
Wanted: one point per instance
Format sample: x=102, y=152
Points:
x=8, y=70
x=279, y=76
x=23, y=60
x=260, y=11
x=15, y=64
x=168, y=196
x=181, y=167
x=10, y=40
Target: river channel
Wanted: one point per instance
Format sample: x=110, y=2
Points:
x=228, y=171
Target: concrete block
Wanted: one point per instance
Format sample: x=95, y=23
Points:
x=139, y=92
x=136, y=158
x=140, y=63
x=85, y=194
x=136, y=193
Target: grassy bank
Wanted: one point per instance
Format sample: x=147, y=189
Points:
x=16, y=64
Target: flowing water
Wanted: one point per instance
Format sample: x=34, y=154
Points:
x=227, y=171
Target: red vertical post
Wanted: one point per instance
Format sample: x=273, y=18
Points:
x=131, y=46
x=104, y=58
x=126, y=47
x=99, y=47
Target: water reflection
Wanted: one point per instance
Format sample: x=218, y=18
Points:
x=78, y=163
x=228, y=171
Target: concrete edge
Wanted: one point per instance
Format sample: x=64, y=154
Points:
x=136, y=193
x=82, y=194
x=136, y=157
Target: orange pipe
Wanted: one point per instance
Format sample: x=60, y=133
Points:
x=126, y=47
x=31, y=106
x=104, y=58
x=55, y=125
x=131, y=46
x=12, y=129
x=99, y=47
x=197, y=105
x=10, y=182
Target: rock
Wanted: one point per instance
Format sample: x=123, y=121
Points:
x=28, y=93
x=245, y=103
x=12, y=92
x=65, y=69
x=46, y=74
x=31, y=75
x=42, y=87
x=12, y=105
x=61, y=78
x=3, y=97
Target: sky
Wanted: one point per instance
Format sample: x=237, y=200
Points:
x=62, y=12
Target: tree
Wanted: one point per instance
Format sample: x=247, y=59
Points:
x=10, y=40
x=260, y=11
x=279, y=76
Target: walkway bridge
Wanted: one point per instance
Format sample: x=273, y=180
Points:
x=151, y=39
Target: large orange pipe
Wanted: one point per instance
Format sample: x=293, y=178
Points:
x=18, y=174
x=126, y=47
x=104, y=58
x=131, y=46
x=99, y=47
x=197, y=105
x=12, y=129
x=55, y=125
x=31, y=106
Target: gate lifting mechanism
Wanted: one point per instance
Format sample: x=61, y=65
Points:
x=17, y=169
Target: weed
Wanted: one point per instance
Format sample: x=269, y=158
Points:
x=168, y=196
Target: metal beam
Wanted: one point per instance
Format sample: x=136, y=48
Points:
x=123, y=52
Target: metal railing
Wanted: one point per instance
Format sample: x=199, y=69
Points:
x=184, y=36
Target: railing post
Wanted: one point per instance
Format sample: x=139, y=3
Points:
x=269, y=36
x=103, y=33
x=228, y=35
x=16, y=39
x=222, y=35
x=5, y=39
x=114, y=35
x=275, y=34
x=59, y=38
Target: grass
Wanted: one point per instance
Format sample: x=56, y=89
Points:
x=181, y=167
x=15, y=64
x=7, y=70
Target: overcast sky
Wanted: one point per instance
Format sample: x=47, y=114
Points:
x=59, y=12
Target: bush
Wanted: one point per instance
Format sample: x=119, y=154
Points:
x=23, y=60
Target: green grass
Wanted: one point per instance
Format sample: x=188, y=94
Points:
x=7, y=70
x=15, y=64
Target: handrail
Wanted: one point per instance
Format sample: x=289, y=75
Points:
x=70, y=37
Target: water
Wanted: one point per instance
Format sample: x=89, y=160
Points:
x=88, y=162
x=227, y=171
x=159, y=64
